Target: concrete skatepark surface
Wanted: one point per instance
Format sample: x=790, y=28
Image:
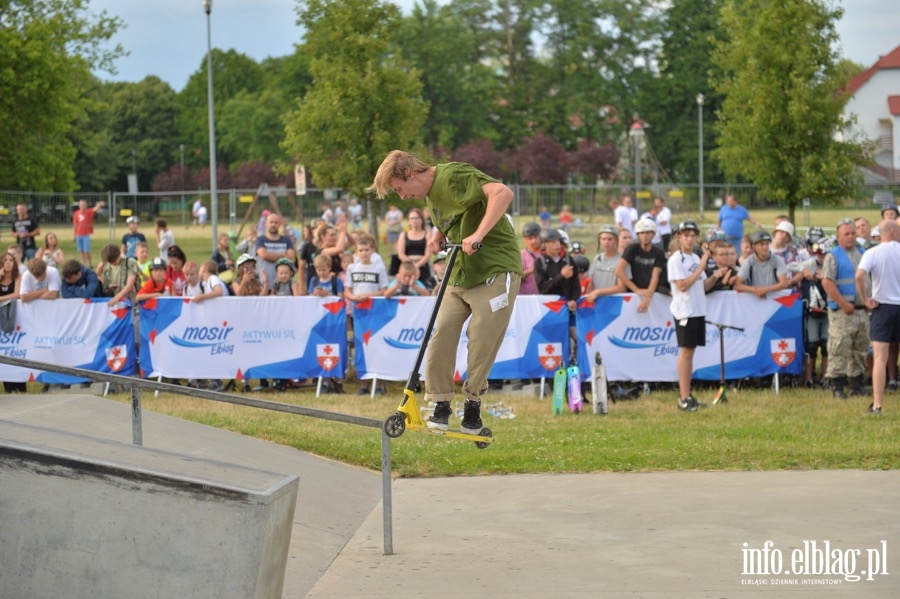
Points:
x=654, y=535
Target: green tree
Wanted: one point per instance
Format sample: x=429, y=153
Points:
x=144, y=133
x=96, y=160
x=783, y=101
x=599, y=56
x=365, y=100
x=457, y=85
x=233, y=73
x=48, y=49
x=669, y=102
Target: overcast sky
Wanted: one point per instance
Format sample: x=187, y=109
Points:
x=167, y=38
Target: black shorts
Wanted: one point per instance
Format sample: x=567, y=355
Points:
x=884, y=324
x=692, y=333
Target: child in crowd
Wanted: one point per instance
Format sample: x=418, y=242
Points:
x=158, y=285
x=142, y=255
x=284, y=278
x=438, y=269
x=325, y=282
x=407, y=282
x=365, y=278
x=246, y=281
x=193, y=286
x=212, y=285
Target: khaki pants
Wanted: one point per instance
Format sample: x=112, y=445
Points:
x=486, y=332
x=848, y=343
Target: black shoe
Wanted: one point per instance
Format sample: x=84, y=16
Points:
x=440, y=419
x=873, y=410
x=837, y=387
x=809, y=384
x=688, y=405
x=858, y=387
x=471, y=421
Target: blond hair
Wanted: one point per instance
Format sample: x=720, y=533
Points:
x=397, y=165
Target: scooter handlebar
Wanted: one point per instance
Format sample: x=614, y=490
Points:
x=446, y=245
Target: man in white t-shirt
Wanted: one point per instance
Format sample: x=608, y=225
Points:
x=622, y=216
x=880, y=263
x=39, y=281
x=687, y=275
x=663, y=221
x=629, y=203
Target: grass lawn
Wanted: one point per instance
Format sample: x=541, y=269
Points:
x=757, y=430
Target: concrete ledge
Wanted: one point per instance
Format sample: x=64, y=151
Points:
x=105, y=519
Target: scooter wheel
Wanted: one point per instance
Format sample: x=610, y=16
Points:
x=394, y=425
x=485, y=432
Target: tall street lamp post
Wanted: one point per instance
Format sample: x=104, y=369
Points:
x=213, y=191
x=700, y=100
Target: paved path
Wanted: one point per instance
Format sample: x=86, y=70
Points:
x=641, y=535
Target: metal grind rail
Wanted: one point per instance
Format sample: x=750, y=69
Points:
x=137, y=385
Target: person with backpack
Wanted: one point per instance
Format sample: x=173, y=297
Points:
x=118, y=275
x=762, y=272
x=557, y=274
x=815, y=305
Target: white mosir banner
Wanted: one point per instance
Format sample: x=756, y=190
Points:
x=87, y=334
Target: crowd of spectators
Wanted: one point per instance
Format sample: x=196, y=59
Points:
x=335, y=257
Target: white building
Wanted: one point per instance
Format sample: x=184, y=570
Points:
x=875, y=101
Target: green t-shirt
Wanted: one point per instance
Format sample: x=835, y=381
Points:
x=457, y=205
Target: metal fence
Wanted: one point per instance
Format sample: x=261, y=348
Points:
x=242, y=206
x=135, y=386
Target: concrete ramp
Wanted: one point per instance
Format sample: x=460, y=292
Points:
x=332, y=500
x=103, y=519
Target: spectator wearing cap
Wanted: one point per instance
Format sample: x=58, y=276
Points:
x=438, y=270
x=646, y=261
x=157, y=285
x=602, y=271
x=270, y=247
x=815, y=307
x=531, y=233
x=731, y=219
x=132, y=238
x=285, y=285
x=663, y=221
x=889, y=212
x=761, y=272
x=247, y=280
x=783, y=246
x=848, y=320
x=879, y=267
x=557, y=274
x=687, y=274
x=657, y=238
